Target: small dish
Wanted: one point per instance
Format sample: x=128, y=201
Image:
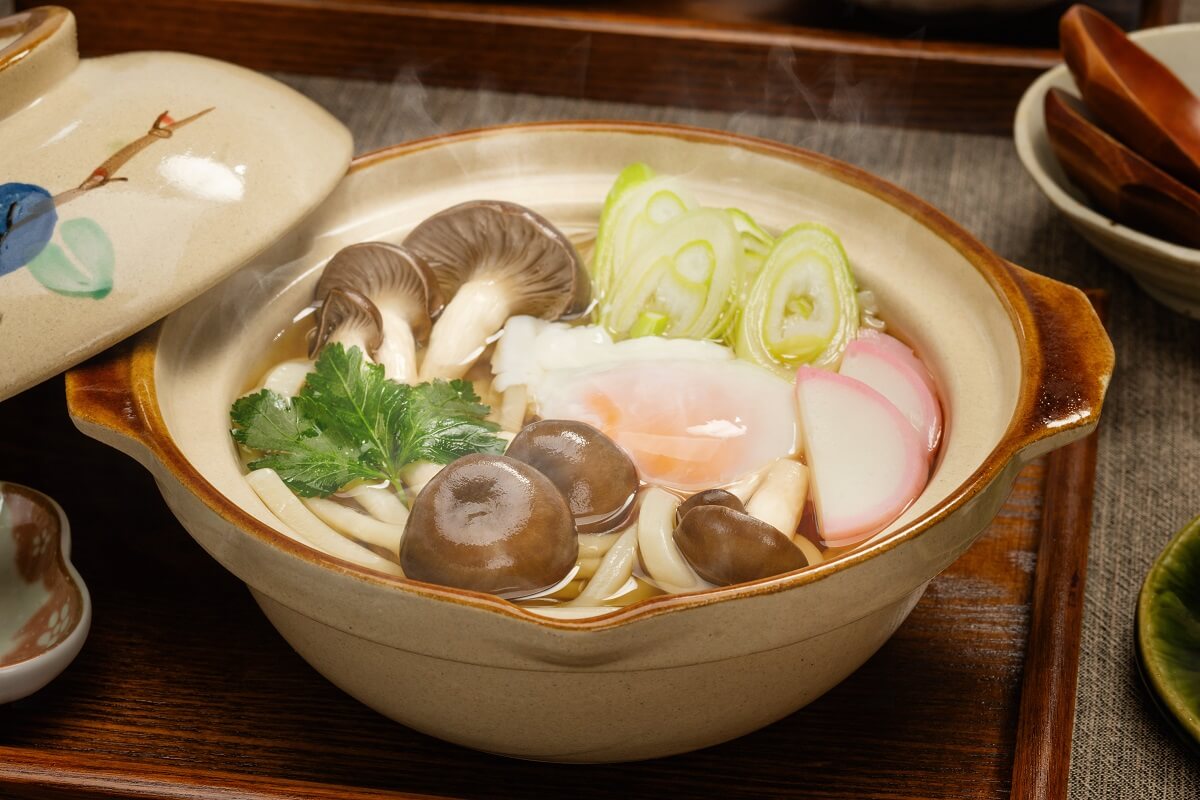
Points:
x=45, y=609
x=1168, y=632
x=1170, y=273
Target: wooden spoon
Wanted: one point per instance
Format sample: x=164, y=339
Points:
x=1121, y=182
x=1132, y=93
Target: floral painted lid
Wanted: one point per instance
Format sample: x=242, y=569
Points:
x=130, y=184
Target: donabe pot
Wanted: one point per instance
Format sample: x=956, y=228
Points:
x=1022, y=362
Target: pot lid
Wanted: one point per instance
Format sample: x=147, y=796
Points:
x=129, y=184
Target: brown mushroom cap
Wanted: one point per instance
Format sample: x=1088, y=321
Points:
x=490, y=524
x=597, y=478
x=711, y=497
x=509, y=244
x=346, y=309
x=727, y=547
x=384, y=275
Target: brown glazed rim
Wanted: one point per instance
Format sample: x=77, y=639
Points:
x=35, y=26
x=117, y=390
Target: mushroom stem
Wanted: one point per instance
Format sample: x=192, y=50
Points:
x=398, y=352
x=470, y=319
x=353, y=338
x=779, y=502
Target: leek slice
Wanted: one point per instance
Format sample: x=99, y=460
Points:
x=803, y=306
x=754, y=238
x=637, y=207
x=756, y=244
x=682, y=283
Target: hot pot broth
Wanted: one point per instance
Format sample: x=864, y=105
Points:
x=601, y=366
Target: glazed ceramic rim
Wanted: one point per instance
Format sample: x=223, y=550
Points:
x=1184, y=257
x=34, y=26
x=1162, y=690
x=62, y=652
x=141, y=419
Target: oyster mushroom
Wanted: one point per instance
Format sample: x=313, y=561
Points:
x=595, y=476
x=494, y=260
x=490, y=524
x=380, y=298
x=727, y=547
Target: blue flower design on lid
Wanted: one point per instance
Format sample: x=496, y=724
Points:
x=27, y=220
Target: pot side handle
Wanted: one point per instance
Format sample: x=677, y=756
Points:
x=1071, y=367
x=104, y=401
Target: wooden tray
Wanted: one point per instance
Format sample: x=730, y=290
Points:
x=812, y=58
x=184, y=691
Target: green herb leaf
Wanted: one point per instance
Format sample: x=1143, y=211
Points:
x=309, y=461
x=445, y=421
x=350, y=422
x=350, y=399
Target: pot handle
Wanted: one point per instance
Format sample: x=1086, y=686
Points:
x=44, y=53
x=105, y=396
x=1069, y=363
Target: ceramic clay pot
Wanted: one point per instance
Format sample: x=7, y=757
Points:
x=1022, y=363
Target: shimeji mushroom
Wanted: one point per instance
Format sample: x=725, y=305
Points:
x=490, y=524
x=380, y=298
x=726, y=546
x=494, y=260
x=711, y=497
x=595, y=476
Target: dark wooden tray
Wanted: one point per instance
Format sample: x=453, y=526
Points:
x=812, y=58
x=184, y=691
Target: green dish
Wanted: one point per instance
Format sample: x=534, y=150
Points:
x=1168, y=631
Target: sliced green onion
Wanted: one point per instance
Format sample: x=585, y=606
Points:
x=688, y=274
x=636, y=209
x=754, y=238
x=649, y=323
x=756, y=243
x=803, y=306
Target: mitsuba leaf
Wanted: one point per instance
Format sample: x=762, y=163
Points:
x=352, y=423
x=350, y=399
x=308, y=460
x=445, y=421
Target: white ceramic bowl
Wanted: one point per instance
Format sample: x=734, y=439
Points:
x=1022, y=360
x=1170, y=273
